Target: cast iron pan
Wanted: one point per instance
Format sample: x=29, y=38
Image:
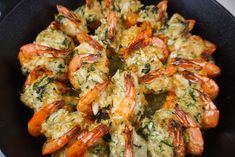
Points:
x=29, y=17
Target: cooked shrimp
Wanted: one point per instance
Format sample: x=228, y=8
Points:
x=86, y=140
x=210, y=48
x=68, y=14
x=36, y=73
x=208, y=85
x=191, y=24
x=35, y=123
x=161, y=45
x=29, y=51
x=127, y=106
x=88, y=3
x=128, y=142
x=108, y=3
x=69, y=22
x=168, y=71
x=84, y=103
x=195, y=142
x=170, y=100
x=141, y=40
x=132, y=19
x=112, y=21
x=83, y=37
x=210, y=117
x=207, y=68
x=162, y=7
x=76, y=63
x=175, y=131
x=52, y=145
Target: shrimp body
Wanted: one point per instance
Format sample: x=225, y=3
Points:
x=205, y=68
x=208, y=85
x=195, y=44
x=175, y=131
x=127, y=106
x=35, y=123
x=86, y=140
x=195, y=142
x=54, y=38
x=42, y=88
x=124, y=140
x=128, y=99
x=69, y=22
x=54, y=145
x=84, y=103
x=210, y=116
x=33, y=55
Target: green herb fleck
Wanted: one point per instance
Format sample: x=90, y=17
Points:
x=146, y=68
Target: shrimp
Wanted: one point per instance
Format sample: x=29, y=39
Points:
x=141, y=40
x=210, y=48
x=191, y=24
x=161, y=45
x=68, y=14
x=128, y=142
x=108, y=3
x=210, y=116
x=127, y=106
x=83, y=37
x=132, y=19
x=53, y=145
x=36, y=73
x=168, y=71
x=209, y=68
x=88, y=3
x=195, y=142
x=35, y=123
x=175, y=131
x=208, y=85
x=170, y=100
x=86, y=140
x=76, y=63
x=112, y=21
x=85, y=101
x=162, y=7
x=29, y=51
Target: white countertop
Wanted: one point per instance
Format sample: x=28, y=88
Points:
x=229, y=5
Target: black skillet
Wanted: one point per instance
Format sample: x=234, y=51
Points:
x=29, y=17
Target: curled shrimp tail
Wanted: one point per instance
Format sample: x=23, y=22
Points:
x=85, y=101
x=162, y=7
x=209, y=68
x=127, y=106
x=86, y=140
x=83, y=37
x=53, y=145
x=195, y=142
x=35, y=123
x=161, y=45
x=176, y=135
x=191, y=24
x=68, y=14
x=128, y=142
x=210, y=116
x=112, y=20
x=210, y=48
x=208, y=85
x=168, y=71
x=141, y=40
x=30, y=50
x=36, y=73
x=170, y=100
